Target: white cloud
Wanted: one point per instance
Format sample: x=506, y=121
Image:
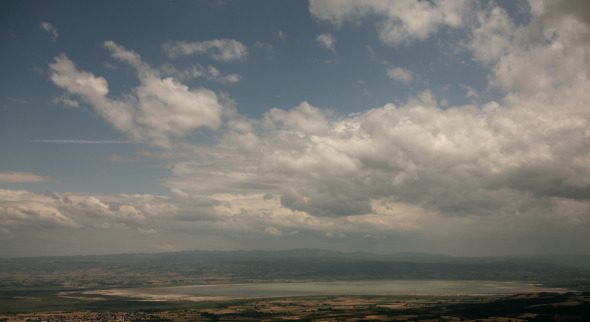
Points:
x=400, y=21
x=327, y=41
x=82, y=83
x=401, y=74
x=491, y=37
x=7, y=176
x=50, y=29
x=167, y=107
x=21, y=209
x=156, y=111
x=462, y=161
x=127, y=56
x=542, y=66
x=219, y=49
x=303, y=117
x=468, y=160
x=410, y=170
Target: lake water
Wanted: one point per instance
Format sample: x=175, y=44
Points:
x=377, y=287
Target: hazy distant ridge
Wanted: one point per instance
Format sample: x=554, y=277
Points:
x=580, y=261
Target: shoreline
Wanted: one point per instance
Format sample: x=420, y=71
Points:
x=257, y=290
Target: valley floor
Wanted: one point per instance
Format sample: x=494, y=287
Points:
x=524, y=307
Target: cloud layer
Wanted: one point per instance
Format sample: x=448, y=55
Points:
x=511, y=173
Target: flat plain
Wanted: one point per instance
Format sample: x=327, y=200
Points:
x=105, y=288
x=523, y=307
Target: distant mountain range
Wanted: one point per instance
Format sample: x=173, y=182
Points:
x=579, y=261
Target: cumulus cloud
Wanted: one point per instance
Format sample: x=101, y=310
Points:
x=225, y=50
x=502, y=157
x=20, y=208
x=327, y=41
x=400, y=21
x=8, y=176
x=50, y=29
x=499, y=158
x=17, y=208
x=413, y=167
x=156, y=111
x=304, y=118
x=462, y=161
x=82, y=83
x=540, y=60
x=520, y=165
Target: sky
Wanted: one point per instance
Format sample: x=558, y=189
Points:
x=450, y=127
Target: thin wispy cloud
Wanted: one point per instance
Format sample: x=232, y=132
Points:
x=17, y=100
x=8, y=176
x=225, y=50
x=83, y=141
x=401, y=74
x=65, y=101
x=53, y=34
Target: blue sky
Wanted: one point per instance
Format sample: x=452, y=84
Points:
x=456, y=127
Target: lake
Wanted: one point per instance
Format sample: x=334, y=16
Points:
x=372, y=287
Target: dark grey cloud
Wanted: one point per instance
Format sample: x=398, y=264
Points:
x=326, y=203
